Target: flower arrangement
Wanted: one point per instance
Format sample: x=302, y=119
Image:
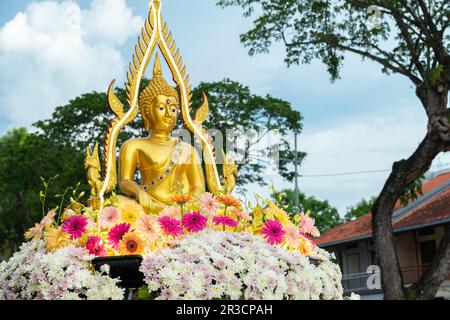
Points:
x=123, y=227
x=214, y=264
x=66, y=274
x=210, y=247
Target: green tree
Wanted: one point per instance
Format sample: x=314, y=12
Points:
x=24, y=158
x=324, y=214
x=412, y=192
x=406, y=37
x=84, y=121
x=359, y=209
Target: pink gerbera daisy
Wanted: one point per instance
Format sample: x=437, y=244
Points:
x=148, y=228
x=76, y=226
x=307, y=225
x=273, y=232
x=225, y=221
x=109, y=217
x=116, y=234
x=95, y=246
x=208, y=204
x=170, y=226
x=194, y=221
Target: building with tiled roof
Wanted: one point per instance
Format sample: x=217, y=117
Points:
x=418, y=228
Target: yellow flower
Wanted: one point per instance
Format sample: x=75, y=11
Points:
x=83, y=240
x=257, y=212
x=56, y=239
x=131, y=244
x=274, y=212
x=305, y=246
x=130, y=211
x=248, y=229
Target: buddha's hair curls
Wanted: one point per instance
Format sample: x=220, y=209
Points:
x=157, y=86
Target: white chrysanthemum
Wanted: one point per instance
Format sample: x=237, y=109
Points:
x=62, y=275
x=239, y=265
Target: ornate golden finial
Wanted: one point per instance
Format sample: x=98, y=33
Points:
x=157, y=69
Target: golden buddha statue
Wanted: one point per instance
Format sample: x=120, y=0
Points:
x=167, y=166
x=164, y=162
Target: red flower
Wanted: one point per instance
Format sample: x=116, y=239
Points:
x=95, y=246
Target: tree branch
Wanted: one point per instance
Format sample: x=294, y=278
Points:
x=436, y=36
x=382, y=61
x=428, y=17
x=409, y=42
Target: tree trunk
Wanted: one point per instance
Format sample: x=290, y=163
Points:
x=403, y=174
x=438, y=272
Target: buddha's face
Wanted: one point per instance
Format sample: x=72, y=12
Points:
x=163, y=114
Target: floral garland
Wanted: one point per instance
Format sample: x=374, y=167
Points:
x=124, y=227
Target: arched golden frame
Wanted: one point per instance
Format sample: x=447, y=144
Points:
x=155, y=33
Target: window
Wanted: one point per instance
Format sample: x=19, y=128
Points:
x=427, y=251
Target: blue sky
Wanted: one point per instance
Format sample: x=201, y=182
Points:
x=51, y=51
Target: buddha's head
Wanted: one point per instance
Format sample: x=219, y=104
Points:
x=159, y=102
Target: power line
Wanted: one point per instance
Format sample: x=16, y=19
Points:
x=357, y=172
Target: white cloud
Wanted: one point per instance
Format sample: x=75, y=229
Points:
x=54, y=51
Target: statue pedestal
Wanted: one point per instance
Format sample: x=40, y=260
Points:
x=125, y=267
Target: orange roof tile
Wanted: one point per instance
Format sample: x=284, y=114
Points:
x=435, y=210
x=432, y=211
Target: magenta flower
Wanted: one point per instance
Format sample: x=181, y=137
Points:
x=225, y=221
x=194, y=222
x=116, y=234
x=273, y=232
x=76, y=226
x=95, y=246
x=170, y=226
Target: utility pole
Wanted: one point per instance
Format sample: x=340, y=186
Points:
x=296, y=190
